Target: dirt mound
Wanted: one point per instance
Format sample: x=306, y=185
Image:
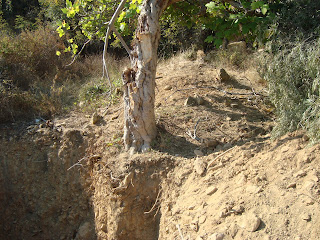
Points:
x=213, y=172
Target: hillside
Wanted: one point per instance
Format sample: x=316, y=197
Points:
x=213, y=173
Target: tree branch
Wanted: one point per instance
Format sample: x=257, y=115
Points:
x=106, y=41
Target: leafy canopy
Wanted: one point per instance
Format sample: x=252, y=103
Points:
x=225, y=19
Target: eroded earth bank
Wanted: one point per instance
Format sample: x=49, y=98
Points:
x=70, y=179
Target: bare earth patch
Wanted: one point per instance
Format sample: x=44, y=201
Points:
x=213, y=172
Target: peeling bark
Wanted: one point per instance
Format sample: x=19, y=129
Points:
x=139, y=80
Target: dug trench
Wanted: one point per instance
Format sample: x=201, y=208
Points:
x=52, y=187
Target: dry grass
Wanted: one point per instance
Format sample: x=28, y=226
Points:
x=35, y=82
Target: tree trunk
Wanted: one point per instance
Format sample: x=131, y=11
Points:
x=139, y=80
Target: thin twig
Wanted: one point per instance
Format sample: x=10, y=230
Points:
x=77, y=55
x=79, y=162
x=220, y=155
x=154, y=203
x=106, y=41
x=178, y=227
x=122, y=41
x=194, y=135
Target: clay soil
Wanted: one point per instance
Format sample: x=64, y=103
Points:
x=213, y=171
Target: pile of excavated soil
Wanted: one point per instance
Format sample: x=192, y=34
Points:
x=213, y=172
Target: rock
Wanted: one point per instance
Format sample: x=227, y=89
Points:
x=305, y=138
x=306, y=217
x=254, y=189
x=96, y=118
x=301, y=173
x=211, y=190
x=292, y=185
x=224, y=76
x=250, y=222
x=190, y=101
x=85, y=232
x=199, y=99
x=228, y=119
x=167, y=87
x=211, y=143
x=200, y=166
x=191, y=207
x=216, y=236
x=198, y=153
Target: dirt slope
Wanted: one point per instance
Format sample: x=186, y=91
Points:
x=213, y=172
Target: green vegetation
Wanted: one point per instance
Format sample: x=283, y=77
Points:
x=293, y=75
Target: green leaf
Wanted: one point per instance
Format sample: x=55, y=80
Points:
x=68, y=3
x=68, y=49
x=64, y=10
x=256, y=5
x=218, y=42
x=264, y=10
x=60, y=31
x=123, y=26
x=133, y=6
x=209, y=39
x=58, y=53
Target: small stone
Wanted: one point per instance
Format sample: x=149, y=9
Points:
x=306, y=217
x=198, y=153
x=199, y=99
x=96, y=118
x=254, y=189
x=301, y=173
x=305, y=138
x=250, y=222
x=167, y=87
x=292, y=185
x=211, y=143
x=190, y=101
x=191, y=207
x=228, y=119
x=216, y=236
x=224, y=76
x=200, y=166
x=211, y=190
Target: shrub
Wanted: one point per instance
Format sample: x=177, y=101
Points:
x=35, y=82
x=293, y=75
x=30, y=56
